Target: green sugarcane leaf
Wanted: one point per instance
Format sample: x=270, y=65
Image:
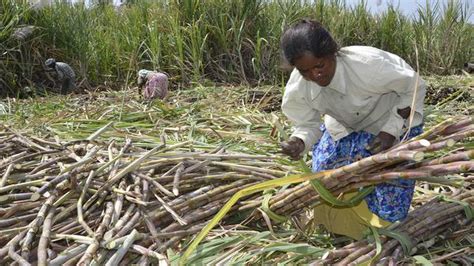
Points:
x=402, y=238
x=328, y=197
x=205, y=252
x=266, y=208
x=300, y=248
x=378, y=244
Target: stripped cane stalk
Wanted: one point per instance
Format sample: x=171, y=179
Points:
x=205, y=197
x=412, y=145
x=14, y=197
x=86, y=159
x=149, y=224
x=170, y=210
x=456, y=127
x=177, y=176
x=80, y=216
x=460, y=156
x=170, y=171
x=19, y=259
x=118, y=256
x=356, y=254
x=47, y=164
x=197, y=215
x=434, y=131
x=13, y=242
x=45, y=236
x=25, y=157
x=170, y=243
x=129, y=225
x=109, y=234
x=25, y=248
x=155, y=184
x=5, y=176
x=21, y=185
x=48, y=185
x=71, y=225
x=118, y=204
x=75, y=238
x=101, y=257
x=162, y=235
x=468, y=132
x=265, y=173
x=68, y=254
x=131, y=167
x=92, y=248
x=218, y=197
x=439, y=145
x=15, y=220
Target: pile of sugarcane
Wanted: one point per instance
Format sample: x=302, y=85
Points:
x=432, y=157
x=94, y=202
x=437, y=219
x=91, y=202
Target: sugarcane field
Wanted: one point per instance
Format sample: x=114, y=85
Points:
x=236, y=132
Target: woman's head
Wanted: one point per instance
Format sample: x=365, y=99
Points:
x=309, y=47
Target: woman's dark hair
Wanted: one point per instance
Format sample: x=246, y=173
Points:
x=307, y=36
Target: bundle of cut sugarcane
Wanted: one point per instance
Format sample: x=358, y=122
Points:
x=418, y=159
x=91, y=202
x=437, y=219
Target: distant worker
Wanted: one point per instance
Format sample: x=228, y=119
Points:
x=65, y=74
x=154, y=84
x=469, y=67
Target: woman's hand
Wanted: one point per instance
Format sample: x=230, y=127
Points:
x=293, y=147
x=405, y=112
x=382, y=142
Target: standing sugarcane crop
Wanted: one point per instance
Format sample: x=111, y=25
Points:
x=366, y=96
x=65, y=74
x=154, y=84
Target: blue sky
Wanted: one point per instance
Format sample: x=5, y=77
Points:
x=409, y=7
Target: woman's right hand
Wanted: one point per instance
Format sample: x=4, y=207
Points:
x=293, y=147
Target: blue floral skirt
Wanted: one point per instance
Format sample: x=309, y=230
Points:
x=390, y=201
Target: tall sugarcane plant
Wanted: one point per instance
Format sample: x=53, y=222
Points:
x=220, y=41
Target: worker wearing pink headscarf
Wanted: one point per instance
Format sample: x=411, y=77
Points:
x=155, y=84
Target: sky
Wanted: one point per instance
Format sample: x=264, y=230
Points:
x=409, y=7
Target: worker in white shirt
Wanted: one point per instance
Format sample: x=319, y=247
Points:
x=365, y=95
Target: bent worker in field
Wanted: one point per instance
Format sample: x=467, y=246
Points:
x=65, y=74
x=365, y=95
x=154, y=84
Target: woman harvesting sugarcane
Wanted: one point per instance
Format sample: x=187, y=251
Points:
x=365, y=95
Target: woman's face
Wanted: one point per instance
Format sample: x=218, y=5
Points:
x=318, y=69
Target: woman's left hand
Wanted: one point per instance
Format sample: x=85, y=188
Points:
x=382, y=142
x=405, y=112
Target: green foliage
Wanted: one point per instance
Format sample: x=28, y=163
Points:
x=225, y=41
x=253, y=248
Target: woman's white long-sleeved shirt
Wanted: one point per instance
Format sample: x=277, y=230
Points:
x=368, y=87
